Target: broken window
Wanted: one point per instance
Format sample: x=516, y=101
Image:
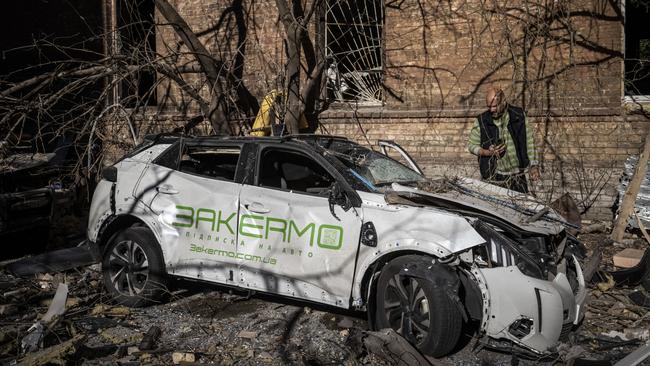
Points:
x=354, y=41
x=637, y=48
x=372, y=168
x=212, y=162
x=293, y=171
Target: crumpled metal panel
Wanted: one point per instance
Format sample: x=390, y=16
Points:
x=642, y=204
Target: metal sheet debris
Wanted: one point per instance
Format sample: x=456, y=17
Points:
x=33, y=341
x=636, y=357
x=57, y=307
x=54, y=261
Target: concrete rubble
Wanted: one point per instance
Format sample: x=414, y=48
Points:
x=67, y=318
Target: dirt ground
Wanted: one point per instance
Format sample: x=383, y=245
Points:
x=211, y=325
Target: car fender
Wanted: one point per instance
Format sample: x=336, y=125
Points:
x=100, y=209
x=509, y=295
x=129, y=213
x=408, y=229
x=398, y=225
x=424, y=266
x=386, y=251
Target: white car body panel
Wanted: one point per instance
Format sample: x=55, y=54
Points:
x=510, y=295
x=100, y=210
x=198, y=225
x=423, y=229
x=317, y=267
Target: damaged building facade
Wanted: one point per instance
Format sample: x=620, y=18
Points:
x=416, y=72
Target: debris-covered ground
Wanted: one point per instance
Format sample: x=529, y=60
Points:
x=205, y=324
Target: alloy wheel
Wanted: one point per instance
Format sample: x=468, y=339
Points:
x=128, y=267
x=407, y=308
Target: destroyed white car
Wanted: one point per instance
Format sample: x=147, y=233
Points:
x=325, y=220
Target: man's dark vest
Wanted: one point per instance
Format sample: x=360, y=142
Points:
x=490, y=136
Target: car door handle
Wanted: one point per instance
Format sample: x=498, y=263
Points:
x=166, y=189
x=256, y=207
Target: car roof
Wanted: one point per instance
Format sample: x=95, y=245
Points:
x=311, y=139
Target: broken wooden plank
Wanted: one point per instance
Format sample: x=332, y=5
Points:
x=593, y=264
x=247, y=334
x=55, y=354
x=632, y=190
x=8, y=309
x=628, y=257
x=392, y=347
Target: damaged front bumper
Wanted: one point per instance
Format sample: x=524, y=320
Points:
x=530, y=312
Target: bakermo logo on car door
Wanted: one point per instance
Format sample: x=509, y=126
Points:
x=287, y=217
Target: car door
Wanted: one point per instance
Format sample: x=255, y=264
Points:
x=196, y=200
x=294, y=242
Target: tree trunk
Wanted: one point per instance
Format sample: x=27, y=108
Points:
x=216, y=114
x=293, y=100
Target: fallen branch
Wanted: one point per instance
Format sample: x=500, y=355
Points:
x=55, y=354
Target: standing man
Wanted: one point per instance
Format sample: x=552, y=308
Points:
x=504, y=144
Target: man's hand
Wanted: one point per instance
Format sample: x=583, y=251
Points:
x=493, y=150
x=534, y=173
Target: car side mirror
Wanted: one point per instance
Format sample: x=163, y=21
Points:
x=338, y=196
x=110, y=174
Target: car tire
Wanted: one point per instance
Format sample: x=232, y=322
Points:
x=417, y=308
x=133, y=268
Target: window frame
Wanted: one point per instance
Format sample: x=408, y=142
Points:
x=325, y=23
x=271, y=147
x=629, y=98
x=211, y=144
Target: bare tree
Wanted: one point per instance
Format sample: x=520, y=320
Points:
x=220, y=97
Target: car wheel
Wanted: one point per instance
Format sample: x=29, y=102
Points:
x=417, y=308
x=133, y=268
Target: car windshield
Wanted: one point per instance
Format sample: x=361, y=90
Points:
x=372, y=169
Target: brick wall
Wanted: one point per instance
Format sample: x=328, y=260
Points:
x=561, y=60
x=590, y=149
x=562, y=56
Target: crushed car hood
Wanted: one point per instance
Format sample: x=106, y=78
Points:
x=473, y=196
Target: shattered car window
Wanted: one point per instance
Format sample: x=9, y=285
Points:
x=212, y=162
x=373, y=169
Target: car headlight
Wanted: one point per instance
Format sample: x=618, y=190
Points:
x=501, y=251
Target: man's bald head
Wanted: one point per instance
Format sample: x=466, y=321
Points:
x=495, y=101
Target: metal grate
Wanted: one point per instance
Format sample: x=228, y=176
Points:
x=354, y=36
